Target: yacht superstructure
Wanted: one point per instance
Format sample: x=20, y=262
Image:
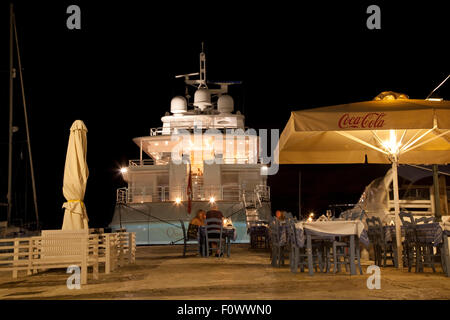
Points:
x=202, y=155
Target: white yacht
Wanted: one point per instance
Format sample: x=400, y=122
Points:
x=202, y=155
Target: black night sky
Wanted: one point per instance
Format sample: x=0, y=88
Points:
x=117, y=75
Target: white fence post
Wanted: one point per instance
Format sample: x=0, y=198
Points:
x=15, y=257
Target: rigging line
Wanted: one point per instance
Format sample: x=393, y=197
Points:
x=149, y=215
x=437, y=87
x=33, y=181
x=173, y=242
x=240, y=204
x=423, y=168
x=239, y=210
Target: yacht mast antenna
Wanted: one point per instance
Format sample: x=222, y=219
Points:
x=199, y=83
x=202, y=81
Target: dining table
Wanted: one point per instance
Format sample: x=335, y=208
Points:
x=305, y=230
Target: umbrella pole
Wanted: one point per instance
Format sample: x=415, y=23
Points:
x=437, y=200
x=398, y=235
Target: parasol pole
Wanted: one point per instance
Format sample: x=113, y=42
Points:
x=437, y=200
x=398, y=235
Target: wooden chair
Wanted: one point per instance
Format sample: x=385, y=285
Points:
x=425, y=232
x=424, y=220
x=214, y=234
x=341, y=247
x=259, y=237
x=411, y=254
x=189, y=241
x=277, y=253
x=384, y=250
x=375, y=239
x=298, y=257
x=407, y=218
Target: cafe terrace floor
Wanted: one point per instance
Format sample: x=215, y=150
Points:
x=161, y=272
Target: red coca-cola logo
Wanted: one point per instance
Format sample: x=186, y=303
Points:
x=368, y=121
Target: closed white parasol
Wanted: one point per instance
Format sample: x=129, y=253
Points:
x=75, y=178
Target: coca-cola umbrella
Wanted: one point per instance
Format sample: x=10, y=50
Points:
x=398, y=130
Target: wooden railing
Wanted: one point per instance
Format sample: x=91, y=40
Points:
x=55, y=250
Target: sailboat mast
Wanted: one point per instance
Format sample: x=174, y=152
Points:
x=11, y=77
x=33, y=181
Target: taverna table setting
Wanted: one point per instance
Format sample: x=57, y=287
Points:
x=327, y=232
x=323, y=244
x=391, y=128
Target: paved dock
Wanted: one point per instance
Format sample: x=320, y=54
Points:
x=161, y=272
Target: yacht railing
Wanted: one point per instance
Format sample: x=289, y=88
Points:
x=238, y=160
x=166, y=193
x=254, y=198
x=159, y=131
x=143, y=162
x=156, y=131
x=228, y=160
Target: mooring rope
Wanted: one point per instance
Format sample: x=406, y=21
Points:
x=149, y=215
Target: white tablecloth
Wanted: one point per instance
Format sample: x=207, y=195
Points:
x=330, y=228
x=333, y=228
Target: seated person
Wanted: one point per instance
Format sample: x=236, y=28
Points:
x=280, y=215
x=216, y=214
x=196, y=222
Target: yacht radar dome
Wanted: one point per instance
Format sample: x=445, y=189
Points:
x=202, y=98
x=225, y=104
x=178, y=105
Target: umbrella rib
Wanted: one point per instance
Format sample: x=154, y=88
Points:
x=377, y=137
x=427, y=141
x=403, y=135
x=349, y=136
x=406, y=146
x=410, y=139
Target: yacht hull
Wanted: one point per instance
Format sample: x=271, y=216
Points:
x=158, y=223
